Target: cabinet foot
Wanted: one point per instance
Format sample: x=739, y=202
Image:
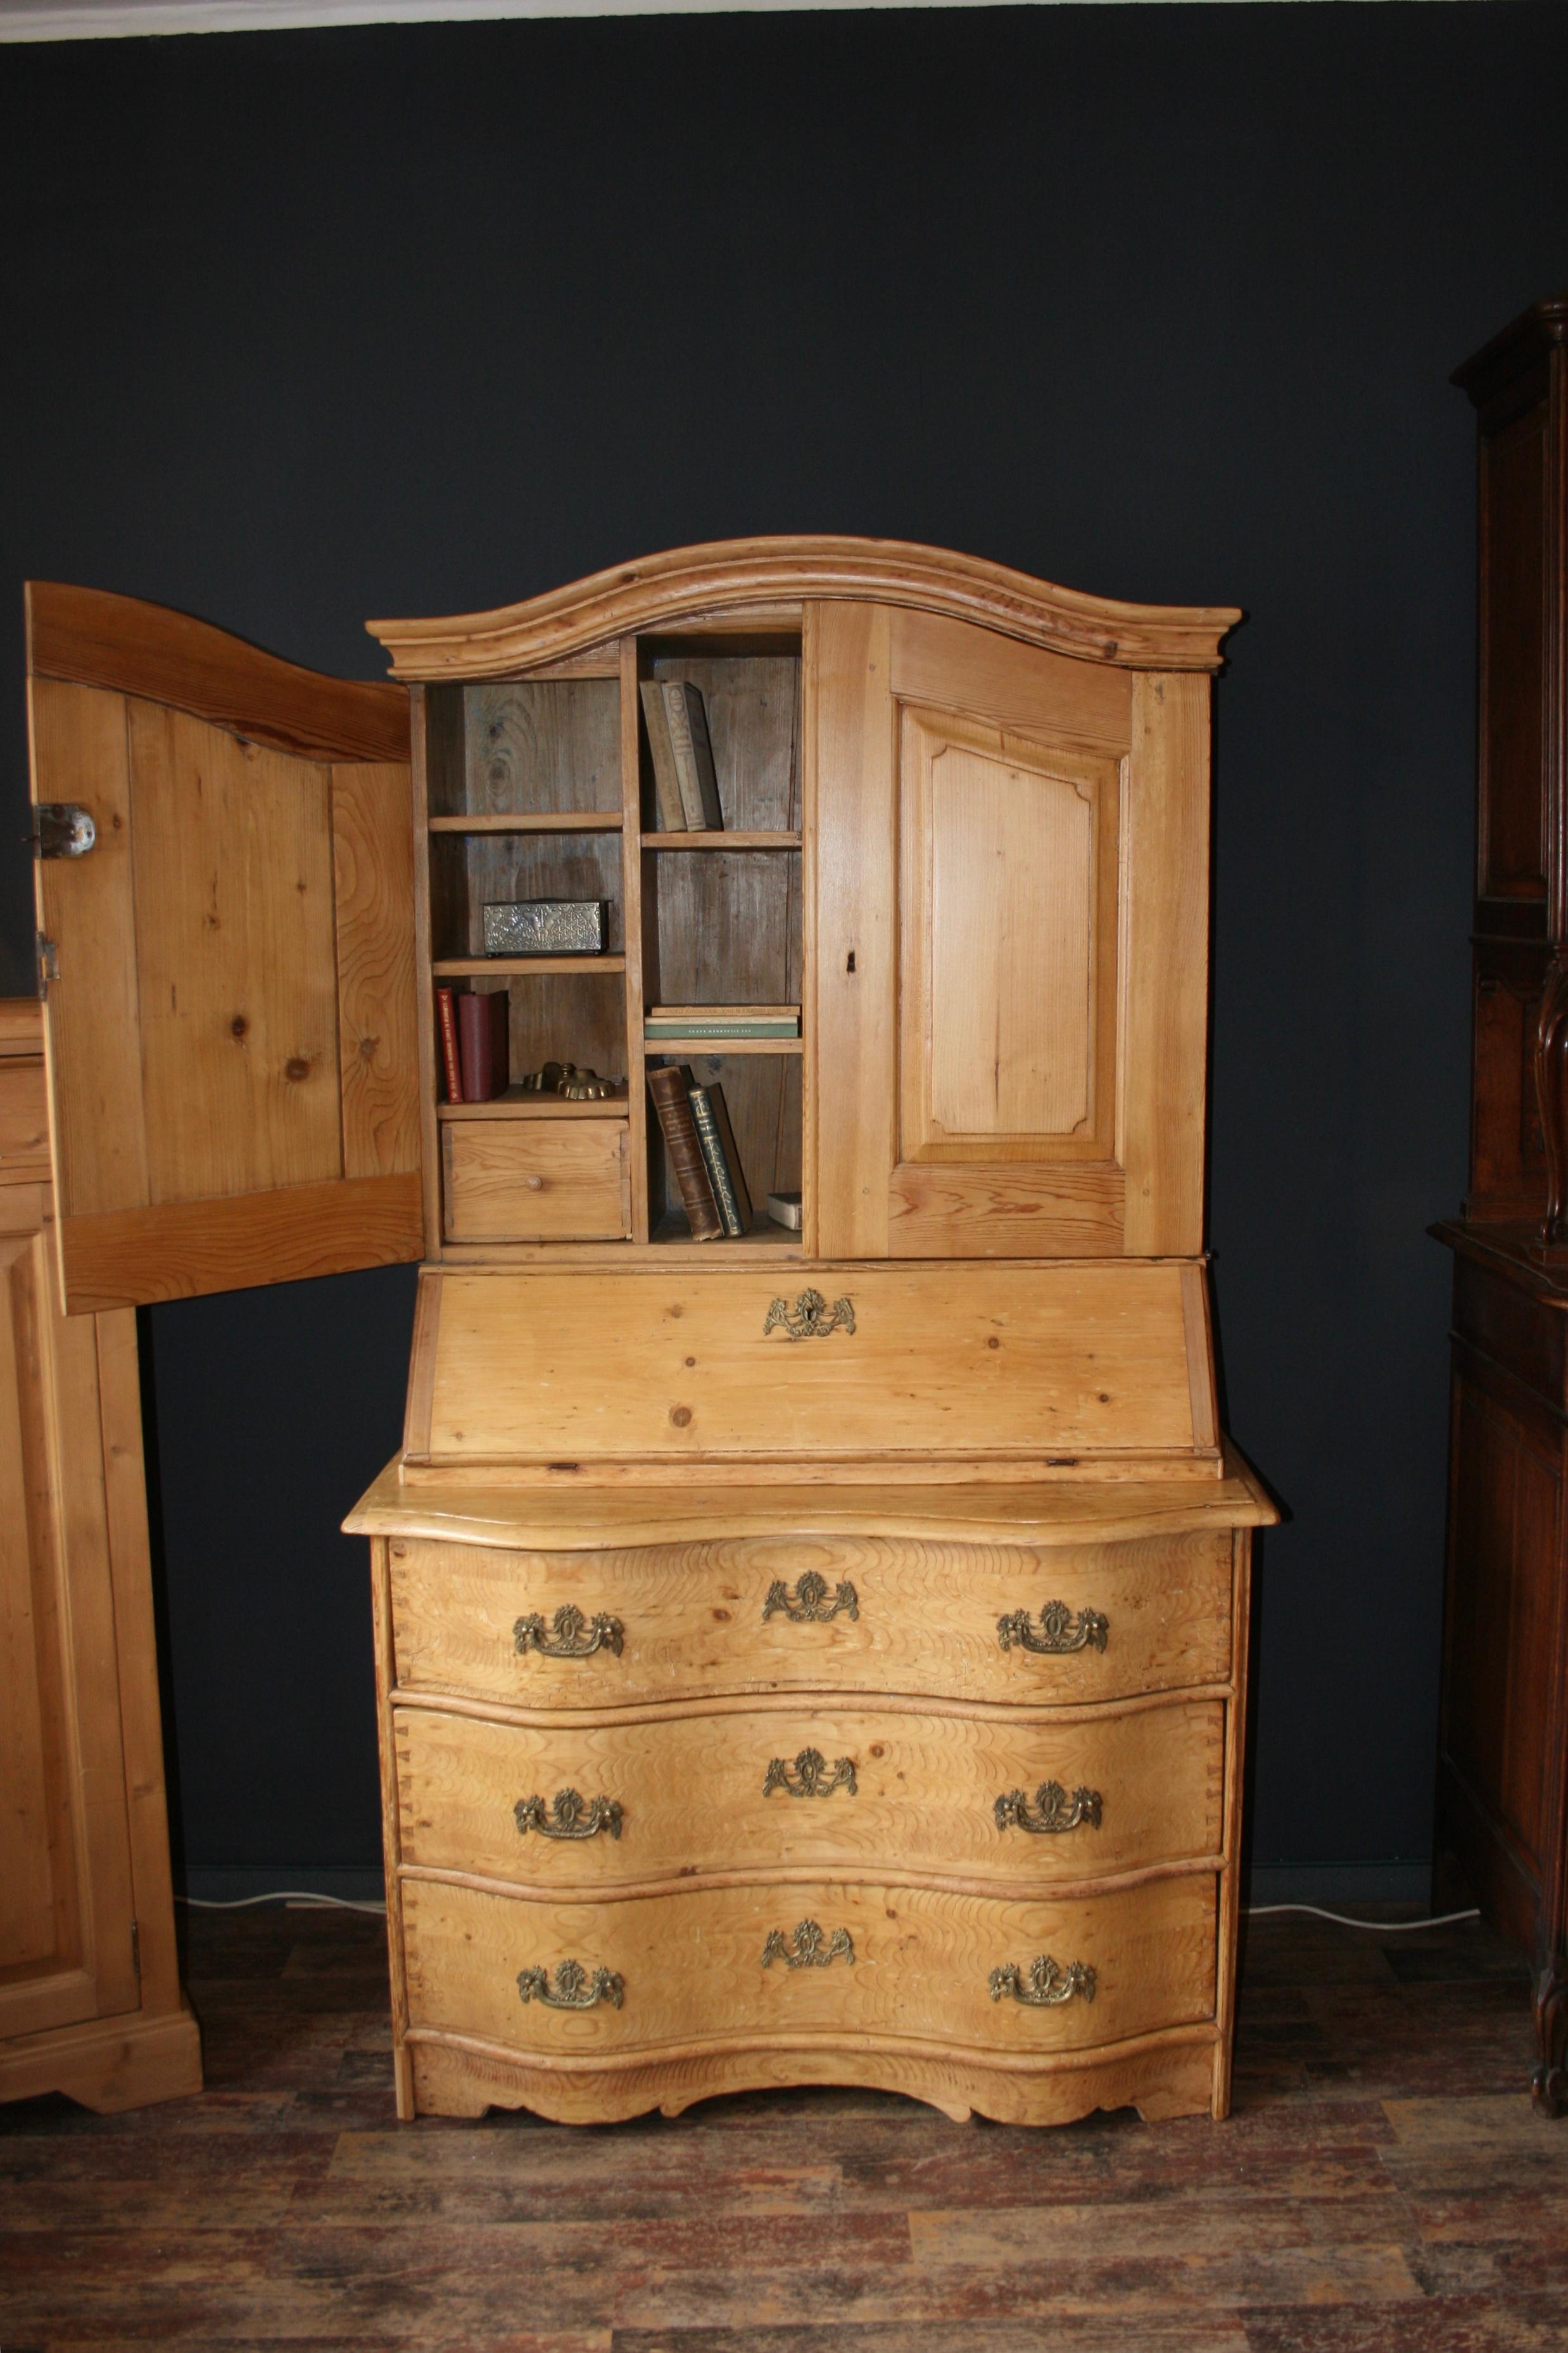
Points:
x=108, y=2064
x=1549, y=2083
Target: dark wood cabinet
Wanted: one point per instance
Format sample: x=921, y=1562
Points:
x=1502, y=1781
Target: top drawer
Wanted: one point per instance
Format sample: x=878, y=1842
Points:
x=1013, y=1363
x=1058, y=1624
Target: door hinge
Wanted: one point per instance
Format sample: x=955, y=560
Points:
x=136, y=1949
x=49, y=961
x=62, y=829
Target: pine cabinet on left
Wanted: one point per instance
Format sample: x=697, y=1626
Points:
x=90, y=1991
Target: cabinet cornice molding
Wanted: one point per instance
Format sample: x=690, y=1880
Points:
x=687, y=586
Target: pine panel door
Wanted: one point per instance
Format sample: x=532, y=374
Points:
x=230, y=1002
x=1010, y=964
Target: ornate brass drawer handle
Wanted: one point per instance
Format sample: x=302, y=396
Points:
x=813, y=1776
x=1053, y=1810
x=808, y=1604
x=1046, y=1986
x=1059, y=1631
x=808, y=1948
x=810, y=1318
x=569, y=1816
x=571, y=1635
x=573, y=1988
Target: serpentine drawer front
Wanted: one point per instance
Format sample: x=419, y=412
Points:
x=1021, y=1797
x=1041, y=1624
x=809, y=1957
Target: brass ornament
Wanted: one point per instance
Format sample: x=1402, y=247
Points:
x=571, y=1635
x=1059, y=1633
x=810, y=1318
x=1053, y=1810
x=808, y=1604
x=567, y=1079
x=573, y=1988
x=808, y=1948
x=569, y=1816
x=1047, y=1985
x=814, y=1777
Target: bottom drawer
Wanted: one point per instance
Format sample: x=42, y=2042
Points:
x=743, y=1961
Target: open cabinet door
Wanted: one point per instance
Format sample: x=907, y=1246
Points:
x=228, y=970
x=1010, y=965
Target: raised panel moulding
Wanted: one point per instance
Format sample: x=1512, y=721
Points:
x=687, y=586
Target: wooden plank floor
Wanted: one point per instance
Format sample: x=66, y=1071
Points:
x=1384, y=2184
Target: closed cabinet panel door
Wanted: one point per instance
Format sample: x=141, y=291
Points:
x=1007, y=1051
x=66, y=1948
x=230, y=1024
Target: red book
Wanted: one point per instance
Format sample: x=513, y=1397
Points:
x=482, y=1016
x=446, y=1022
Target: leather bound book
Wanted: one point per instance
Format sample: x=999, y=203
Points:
x=671, y=1101
x=446, y=1022
x=717, y=1138
x=482, y=1018
x=688, y=741
x=666, y=783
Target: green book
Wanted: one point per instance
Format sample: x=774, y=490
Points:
x=717, y=1137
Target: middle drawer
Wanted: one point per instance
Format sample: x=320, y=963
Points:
x=1018, y=1798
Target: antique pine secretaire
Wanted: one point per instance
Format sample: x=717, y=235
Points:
x=813, y=1654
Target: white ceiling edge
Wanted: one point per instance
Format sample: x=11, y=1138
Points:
x=112, y=20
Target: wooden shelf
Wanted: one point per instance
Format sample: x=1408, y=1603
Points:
x=505, y=967
x=707, y=1049
x=720, y=842
x=672, y=1233
x=557, y=821
x=518, y=1105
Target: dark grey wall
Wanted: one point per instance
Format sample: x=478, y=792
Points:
x=1156, y=302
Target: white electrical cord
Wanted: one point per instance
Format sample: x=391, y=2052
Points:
x=1382, y=1927
x=276, y=1895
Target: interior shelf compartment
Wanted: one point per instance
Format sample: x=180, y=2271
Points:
x=763, y=1097
x=672, y=1231
x=548, y=748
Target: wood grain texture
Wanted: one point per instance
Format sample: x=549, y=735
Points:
x=516, y=1179
x=126, y=1258
x=373, y=909
x=24, y=1120
x=982, y=1360
x=578, y=1516
x=232, y=860
x=926, y=1619
x=21, y=1027
x=852, y=1040
x=1161, y=2076
x=658, y=593
x=691, y=1792
x=80, y=752
x=1166, y=1035
x=1006, y=1210
x=923, y=1960
x=1381, y=2186
x=90, y=637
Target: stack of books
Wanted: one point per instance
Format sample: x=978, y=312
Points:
x=686, y=783
x=684, y=1024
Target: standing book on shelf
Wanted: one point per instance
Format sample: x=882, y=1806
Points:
x=666, y=783
x=446, y=1025
x=717, y=1137
x=482, y=1022
x=693, y=755
x=669, y=1089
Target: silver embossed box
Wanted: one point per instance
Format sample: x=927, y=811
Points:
x=545, y=927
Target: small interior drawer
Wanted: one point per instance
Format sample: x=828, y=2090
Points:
x=505, y=1180
x=24, y=1117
